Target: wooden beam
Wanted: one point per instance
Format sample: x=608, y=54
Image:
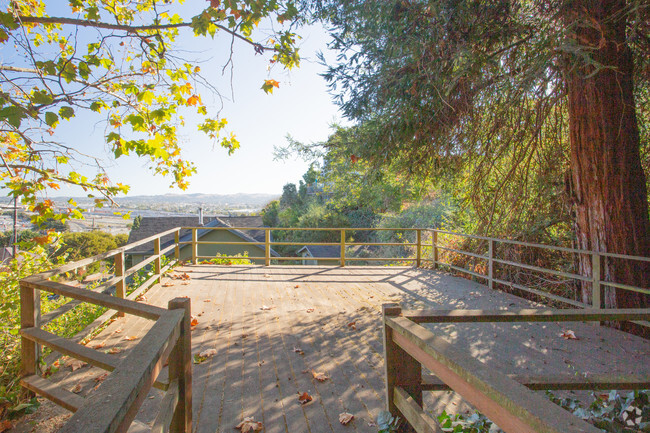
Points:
x=167, y=406
x=30, y=312
x=130, y=307
x=526, y=315
x=559, y=382
x=114, y=405
x=180, y=368
x=86, y=354
x=58, y=395
x=510, y=405
x=413, y=413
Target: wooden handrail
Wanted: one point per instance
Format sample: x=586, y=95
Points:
x=408, y=347
x=114, y=406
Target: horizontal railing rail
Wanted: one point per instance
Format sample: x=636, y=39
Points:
x=505, y=399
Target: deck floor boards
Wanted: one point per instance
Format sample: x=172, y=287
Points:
x=257, y=373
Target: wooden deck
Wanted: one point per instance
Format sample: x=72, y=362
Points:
x=328, y=320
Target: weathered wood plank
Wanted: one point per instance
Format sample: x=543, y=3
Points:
x=525, y=315
x=560, y=382
x=167, y=406
x=58, y=395
x=127, y=306
x=413, y=413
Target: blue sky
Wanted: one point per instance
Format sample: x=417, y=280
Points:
x=300, y=107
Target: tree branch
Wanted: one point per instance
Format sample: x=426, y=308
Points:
x=130, y=29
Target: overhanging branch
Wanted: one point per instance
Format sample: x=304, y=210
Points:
x=128, y=28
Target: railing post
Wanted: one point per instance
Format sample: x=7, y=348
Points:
x=180, y=367
x=194, y=246
x=156, y=263
x=177, y=250
x=400, y=368
x=30, y=315
x=595, y=280
x=267, y=247
x=418, y=252
x=342, y=247
x=491, y=264
x=434, y=247
x=120, y=286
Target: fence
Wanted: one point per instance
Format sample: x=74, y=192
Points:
x=115, y=404
x=169, y=338
x=409, y=346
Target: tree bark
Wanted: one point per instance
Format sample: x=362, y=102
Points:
x=608, y=182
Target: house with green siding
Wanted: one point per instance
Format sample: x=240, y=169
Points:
x=255, y=232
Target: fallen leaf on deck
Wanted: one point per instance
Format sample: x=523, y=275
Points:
x=202, y=356
x=100, y=378
x=74, y=364
x=98, y=345
x=267, y=276
x=298, y=350
x=76, y=389
x=264, y=307
x=131, y=338
x=310, y=310
x=114, y=350
x=568, y=335
x=185, y=283
x=194, y=321
x=141, y=298
x=117, y=331
x=352, y=325
x=321, y=377
x=208, y=300
x=249, y=425
x=304, y=398
x=168, y=284
x=345, y=418
x=296, y=286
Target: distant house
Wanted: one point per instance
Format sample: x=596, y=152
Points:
x=150, y=226
x=320, y=254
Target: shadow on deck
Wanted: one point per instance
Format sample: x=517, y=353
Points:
x=272, y=327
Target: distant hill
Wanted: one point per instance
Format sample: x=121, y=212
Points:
x=219, y=200
x=240, y=199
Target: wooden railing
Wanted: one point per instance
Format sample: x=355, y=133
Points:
x=504, y=399
x=115, y=404
x=429, y=247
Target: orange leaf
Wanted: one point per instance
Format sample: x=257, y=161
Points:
x=304, y=398
x=193, y=100
x=310, y=310
x=114, y=350
x=352, y=325
x=76, y=389
x=98, y=345
x=131, y=338
x=101, y=378
x=194, y=321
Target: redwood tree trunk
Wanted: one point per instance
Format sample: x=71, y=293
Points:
x=609, y=186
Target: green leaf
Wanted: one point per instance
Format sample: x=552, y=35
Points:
x=51, y=119
x=13, y=115
x=66, y=112
x=42, y=97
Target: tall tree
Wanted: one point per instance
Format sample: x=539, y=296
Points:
x=444, y=82
x=124, y=60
